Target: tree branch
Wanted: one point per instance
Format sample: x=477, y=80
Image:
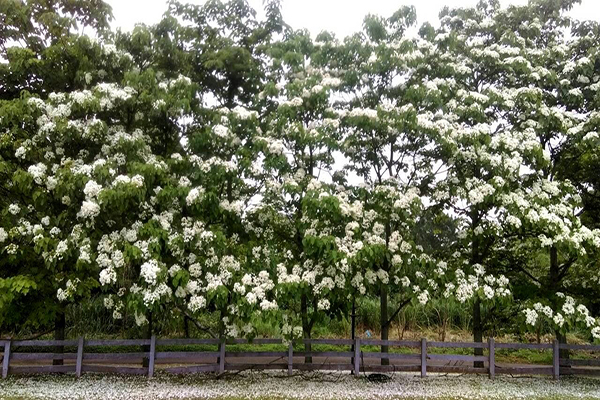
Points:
x=528, y=274
x=196, y=323
x=564, y=268
x=400, y=307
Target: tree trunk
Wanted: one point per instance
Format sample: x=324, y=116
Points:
x=554, y=286
x=385, y=328
x=353, y=318
x=476, y=258
x=306, y=327
x=59, y=334
x=477, y=331
x=186, y=327
x=383, y=299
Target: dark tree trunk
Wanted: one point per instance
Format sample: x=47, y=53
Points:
x=385, y=328
x=186, y=327
x=306, y=327
x=59, y=334
x=353, y=318
x=554, y=286
x=476, y=258
x=383, y=301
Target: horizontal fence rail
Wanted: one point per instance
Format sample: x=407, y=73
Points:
x=177, y=356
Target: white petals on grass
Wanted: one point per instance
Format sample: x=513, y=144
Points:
x=256, y=385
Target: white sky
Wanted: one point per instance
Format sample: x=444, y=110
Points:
x=342, y=17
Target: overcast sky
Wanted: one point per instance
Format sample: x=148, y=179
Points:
x=343, y=17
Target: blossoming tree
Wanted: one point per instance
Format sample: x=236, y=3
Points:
x=35, y=224
x=545, y=75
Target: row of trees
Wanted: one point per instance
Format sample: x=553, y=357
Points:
x=218, y=163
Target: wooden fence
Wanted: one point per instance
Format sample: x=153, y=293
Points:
x=23, y=357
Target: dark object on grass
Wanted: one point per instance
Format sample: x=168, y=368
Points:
x=379, y=378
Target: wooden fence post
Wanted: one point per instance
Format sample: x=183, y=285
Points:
x=6, y=360
x=222, y=357
x=79, y=357
x=356, y=357
x=555, y=359
x=152, y=356
x=290, y=358
x=492, y=361
x=423, y=358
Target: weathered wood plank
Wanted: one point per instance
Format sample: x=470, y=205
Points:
x=266, y=341
x=44, y=356
x=192, y=369
x=245, y=367
x=393, y=343
x=391, y=368
x=152, y=356
x=532, y=346
x=118, y=342
x=114, y=369
x=456, y=357
x=588, y=347
x=340, y=342
x=255, y=341
x=458, y=345
x=185, y=355
x=79, y=361
x=423, y=358
x=44, y=343
x=326, y=367
x=325, y=354
x=524, y=370
x=185, y=342
x=391, y=356
x=595, y=362
x=456, y=369
x=6, y=360
x=251, y=354
x=41, y=369
x=581, y=371
x=114, y=356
